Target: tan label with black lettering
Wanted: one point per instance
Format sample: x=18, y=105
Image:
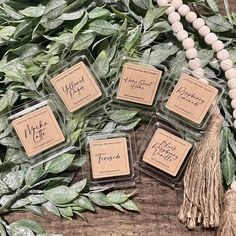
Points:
x=38, y=131
x=191, y=98
x=109, y=157
x=138, y=84
x=76, y=87
x=166, y=152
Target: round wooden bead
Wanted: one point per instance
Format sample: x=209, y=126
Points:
x=232, y=93
x=233, y=184
x=169, y=10
x=184, y=10
x=210, y=38
x=230, y=74
x=217, y=46
x=234, y=114
x=188, y=43
x=181, y=35
x=226, y=64
x=191, y=53
x=199, y=74
x=176, y=27
x=222, y=55
x=198, y=23
x=194, y=64
x=204, y=30
x=174, y=17
x=233, y=103
x=232, y=84
x=177, y=3
x=162, y=2
x=191, y=16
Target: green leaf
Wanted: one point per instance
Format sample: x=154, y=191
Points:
x=144, y=4
x=79, y=26
x=7, y=100
x=80, y=161
x=224, y=139
x=51, y=24
x=2, y=230
x=33, y=11
x=7, y=31
x=33, y=225
x=84, y=41
x=12, y=12
x=218, y=23
x=205, y=56
x=60, y=195
x=66, y=212
x=102, y=27
x=14, y=180
x=129, y=126
x=162, y=26
x=117, y=196
x=72, y=125
x=133, y=39
x=228, y=166
x=23, y=28
x=161, y=52
x=21, y=203
x=102, y=64
x=99, y=199
x=54, y=8
x=60, y=163
x=84, y=203
x=66, y=38
x=33, y=175
x=122, y=115
x=232, y=53
x=80, y=215
x=130, y=206
x=148, y=38
x=213, y=5
x=16, y=229
x=34, y=209
x=118, y=207
x=99, y=12
x=37, y=199
x=152, y=14
x=72, y=15
x=15, y=156
x=3, y=188
x=51, y=208
x=79, y=186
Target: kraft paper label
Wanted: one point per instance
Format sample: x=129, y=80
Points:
x=138, y=84
x=166, y=152
x=191, y=98
x=76, y=87
x=38, y=131
x=109, y=158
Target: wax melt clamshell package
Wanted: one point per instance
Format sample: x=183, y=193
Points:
x=188, y=101
x=39, y=130
x=164, y=151
x=76, y=83
x=112, y=159
x=138, y=83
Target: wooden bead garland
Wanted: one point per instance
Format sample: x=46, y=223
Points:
x=217, y=45
x=191, y=210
